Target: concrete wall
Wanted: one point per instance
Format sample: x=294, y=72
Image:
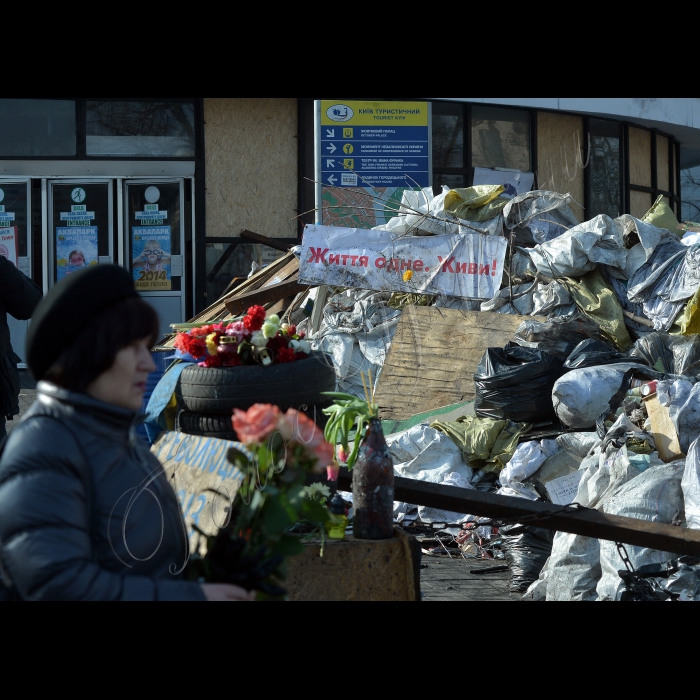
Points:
x=251, y=166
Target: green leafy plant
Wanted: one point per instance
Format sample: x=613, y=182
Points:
x=350, y=413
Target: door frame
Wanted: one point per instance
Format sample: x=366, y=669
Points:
x=125, y=238
x=49, y=240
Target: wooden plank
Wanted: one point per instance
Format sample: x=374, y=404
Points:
x=663, y=430
x=261, y=297
x=434, y=356
x=588, y=523
x=264, y=240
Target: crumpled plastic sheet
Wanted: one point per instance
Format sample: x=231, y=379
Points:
x=558, y=335
x=357, y=331
x=546, y=215
x=655, y=496
x=526, y=462
x=642, y=239
x=593, y=296
x=424, y=454
x=691, y=486
x=620, y=288
x=687, y=419
x=486, y=444
x=665, y=258
x=582, y=249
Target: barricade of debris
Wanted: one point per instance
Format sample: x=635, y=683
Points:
x=537, y=358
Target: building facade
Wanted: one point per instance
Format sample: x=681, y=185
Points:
x=166, y=186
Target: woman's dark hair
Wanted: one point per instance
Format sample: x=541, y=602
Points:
x=95, y=349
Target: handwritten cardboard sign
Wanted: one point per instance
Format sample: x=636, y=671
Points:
x=205, y=482
x=468, y=266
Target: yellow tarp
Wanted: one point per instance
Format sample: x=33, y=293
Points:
x=593, y=296
x=486, y=443
x=662, y=216
x=689, y=321
x=478, y=204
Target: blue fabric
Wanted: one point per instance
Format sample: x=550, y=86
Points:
x=161, y=397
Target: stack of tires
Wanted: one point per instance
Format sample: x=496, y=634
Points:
x=207, y=397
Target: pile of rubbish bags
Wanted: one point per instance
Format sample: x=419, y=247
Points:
x=621, y=299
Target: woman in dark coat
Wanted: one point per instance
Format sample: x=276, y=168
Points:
x=86, y=511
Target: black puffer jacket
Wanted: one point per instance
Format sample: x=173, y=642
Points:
x=86, y=512
x=19, y=297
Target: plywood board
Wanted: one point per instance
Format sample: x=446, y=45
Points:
x=559, y=138
x=640, y=204
x=640, y=158
x=251, y=157
x=434, y=356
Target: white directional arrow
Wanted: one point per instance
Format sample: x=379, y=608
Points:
x=331, y=148
x=330, y=133
x=332, y=180
x=331, y=164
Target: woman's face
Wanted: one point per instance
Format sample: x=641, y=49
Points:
x=124, y=383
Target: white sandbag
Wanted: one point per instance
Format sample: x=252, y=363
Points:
x=424, y=454
x=691, y=487
x=687, y=420
x=581, y=396
x=655, y=496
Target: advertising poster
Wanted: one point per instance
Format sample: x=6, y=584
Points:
x=152, y=250
x=8, y=244
x=76, y=248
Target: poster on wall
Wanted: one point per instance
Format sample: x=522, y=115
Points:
x=76, y=248
x=152, y=250
x=8, y=244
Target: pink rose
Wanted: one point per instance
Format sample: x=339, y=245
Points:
x=308, y=434
x=257, y=424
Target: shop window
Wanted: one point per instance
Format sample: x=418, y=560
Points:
x=473, y=136
x=501, y=138
x=140, y=129
x=690, y=182
x=605, y=179
x=37, y=128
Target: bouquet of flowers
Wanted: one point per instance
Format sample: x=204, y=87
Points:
x=281, y=452
x=250, y=340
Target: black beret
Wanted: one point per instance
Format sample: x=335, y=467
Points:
x=68, y=307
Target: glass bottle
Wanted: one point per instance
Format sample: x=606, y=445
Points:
x=373, y=487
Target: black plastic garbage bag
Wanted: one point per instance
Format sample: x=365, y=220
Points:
x=593, y=353
x=527, y=550
x=516, y=383
x=669, y=354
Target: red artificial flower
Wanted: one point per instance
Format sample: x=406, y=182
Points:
x=255, y=318
x=285, y=356
x=212, y=361
x=278, y=343
x=292, y=331
x=196, y=347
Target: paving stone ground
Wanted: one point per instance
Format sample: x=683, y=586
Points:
x=443, y=580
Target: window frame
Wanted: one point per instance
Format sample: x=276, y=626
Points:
x=467, y=170
x=81, y=131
